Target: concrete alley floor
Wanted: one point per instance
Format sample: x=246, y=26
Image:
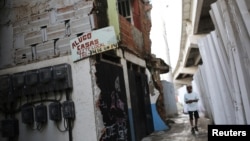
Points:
x=180, y=130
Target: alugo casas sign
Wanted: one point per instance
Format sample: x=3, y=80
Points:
x=92, y=43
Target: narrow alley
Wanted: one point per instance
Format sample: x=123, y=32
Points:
x=180, y=130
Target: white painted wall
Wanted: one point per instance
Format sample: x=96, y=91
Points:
x=84, y=123
x=169, y=98
x=225, y=73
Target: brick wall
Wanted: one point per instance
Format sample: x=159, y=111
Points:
x=126, y=34
x=31, y=20
x=137, y=40
x=146, y=26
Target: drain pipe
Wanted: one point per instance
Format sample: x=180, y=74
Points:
x=69, y=119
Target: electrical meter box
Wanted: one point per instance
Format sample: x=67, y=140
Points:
x=5, y=88
x=55, y=111
x=62, y=77
x=68, y=110
x=10, y=128
x=18, y=81
x=45, y=80
x=27, y=113
x=31, y=82
x=41, y=113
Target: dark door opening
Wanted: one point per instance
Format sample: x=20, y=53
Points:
x=140, y=102
x=113, y=102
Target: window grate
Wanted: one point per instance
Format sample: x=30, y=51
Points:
x=124, y=9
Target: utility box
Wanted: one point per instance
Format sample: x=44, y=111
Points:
x=45, y=79
x=5, y=88
x=31, y=82
x=27, y=113
x=62, y=77
x=18, y=81
x=68, y=110
x=41, y=113
x=55, y=112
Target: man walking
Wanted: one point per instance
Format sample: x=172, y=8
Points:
x=191, y=99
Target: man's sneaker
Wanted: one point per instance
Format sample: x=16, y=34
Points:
x=196, y=128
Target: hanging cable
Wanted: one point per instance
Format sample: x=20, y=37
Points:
x=65, y=126
x=69, y=120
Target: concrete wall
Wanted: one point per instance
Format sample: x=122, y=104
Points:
x=113, y=17
x=23, y=47
x=84, y=123
x=88, y=123
x=169, y=99
x=224, y=75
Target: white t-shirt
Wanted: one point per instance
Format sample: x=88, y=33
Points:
x=194, y=105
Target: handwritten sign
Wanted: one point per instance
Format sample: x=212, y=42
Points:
x=92, y=43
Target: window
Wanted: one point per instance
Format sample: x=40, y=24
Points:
x=67, y=28
x=124, y=9
x=44, y=33
x=79, y=34
x=56, y=46
x=33, y=52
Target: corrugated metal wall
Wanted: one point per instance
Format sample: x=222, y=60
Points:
x=223, y=77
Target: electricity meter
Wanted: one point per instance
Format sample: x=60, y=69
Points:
x=45, y=79
x=62, y=77
x=31, y=82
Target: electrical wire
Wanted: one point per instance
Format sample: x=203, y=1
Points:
x=39, y=126
x=65, y=126
x=67, y=123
